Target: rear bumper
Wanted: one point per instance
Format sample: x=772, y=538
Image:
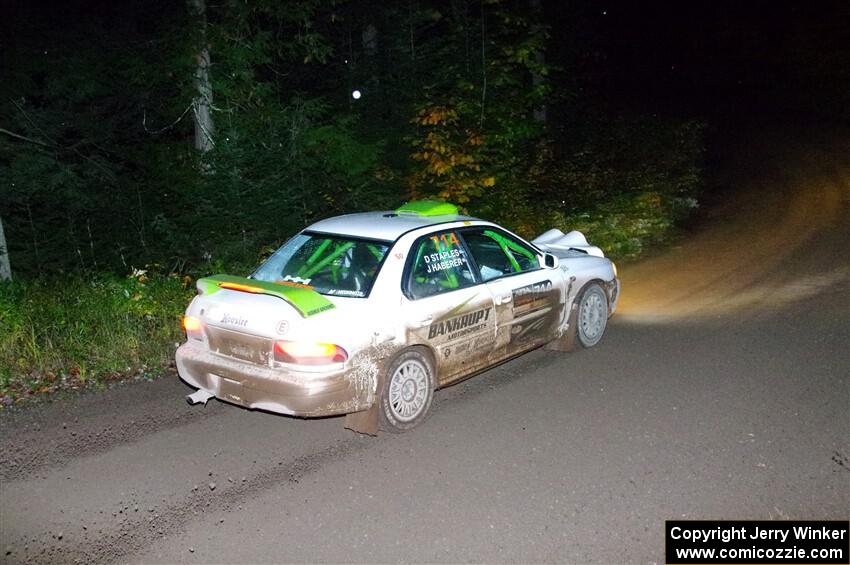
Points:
x=307, y=394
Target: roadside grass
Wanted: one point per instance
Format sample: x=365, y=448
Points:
x=85, y=330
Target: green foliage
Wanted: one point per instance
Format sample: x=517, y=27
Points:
x=283, y=157
x=474, y=120
x=266, y=183
x=71, y=189
x=625, y=184
x=451, y=157
x=107, y=179
x=623, y=226
x=58, y=334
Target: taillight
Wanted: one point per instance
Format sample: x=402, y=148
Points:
x=241, y=287
x=193, y=327
x=307, y=353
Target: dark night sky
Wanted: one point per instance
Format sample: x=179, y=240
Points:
x=723, y=55
x=686, y=56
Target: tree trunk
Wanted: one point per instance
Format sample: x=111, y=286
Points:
x=539, y=58
x=5, y=267
x=202, y=102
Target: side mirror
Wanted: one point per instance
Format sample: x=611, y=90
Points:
x=550, y=261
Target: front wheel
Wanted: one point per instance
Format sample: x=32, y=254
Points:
x=592, y=315
x=407, y=392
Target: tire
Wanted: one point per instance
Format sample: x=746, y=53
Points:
x=407, y=392
x=592, y=315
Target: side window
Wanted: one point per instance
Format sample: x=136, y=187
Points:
x=439, y=265
x=497, y=253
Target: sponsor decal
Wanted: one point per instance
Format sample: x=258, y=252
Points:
x=459, y=326
x=297, y=282
x=320, y=309
x=399, y=256
x=531, y=301
x=282, y=327
x=485, y=342
x=234, y=320
x=531, y=297
x=460, y=306
x=345, y=292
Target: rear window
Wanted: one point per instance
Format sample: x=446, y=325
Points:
x=331, y=265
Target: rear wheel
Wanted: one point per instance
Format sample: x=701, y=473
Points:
x=407, y=392
x=592, y=315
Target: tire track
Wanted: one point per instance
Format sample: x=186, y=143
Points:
x=142, y=529
x=49, y=436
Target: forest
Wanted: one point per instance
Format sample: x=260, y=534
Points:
x=143, y=145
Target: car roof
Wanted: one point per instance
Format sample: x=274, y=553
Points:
x=387, y=225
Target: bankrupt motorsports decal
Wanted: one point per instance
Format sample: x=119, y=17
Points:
x=462, y=325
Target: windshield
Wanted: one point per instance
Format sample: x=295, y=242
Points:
x=329, y=264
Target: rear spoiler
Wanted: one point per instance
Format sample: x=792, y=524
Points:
x=304, y=299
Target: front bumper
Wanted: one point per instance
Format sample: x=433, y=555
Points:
x=307, y=394
x=612, y=287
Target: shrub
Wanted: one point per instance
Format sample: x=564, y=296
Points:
x=625, y=184
x=67, y=333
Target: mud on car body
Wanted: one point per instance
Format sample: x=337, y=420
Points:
x=367, y=314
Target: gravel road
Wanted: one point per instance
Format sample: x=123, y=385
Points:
x=722, y=390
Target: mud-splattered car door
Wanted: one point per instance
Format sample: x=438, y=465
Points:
x=528, y=299
x=446, y=306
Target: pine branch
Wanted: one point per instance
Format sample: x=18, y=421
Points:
x=24, y=138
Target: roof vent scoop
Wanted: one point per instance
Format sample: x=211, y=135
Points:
x=427, y=208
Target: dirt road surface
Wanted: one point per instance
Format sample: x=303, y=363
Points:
x=722, y=390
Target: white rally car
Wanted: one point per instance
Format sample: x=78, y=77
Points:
x=367, y=314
